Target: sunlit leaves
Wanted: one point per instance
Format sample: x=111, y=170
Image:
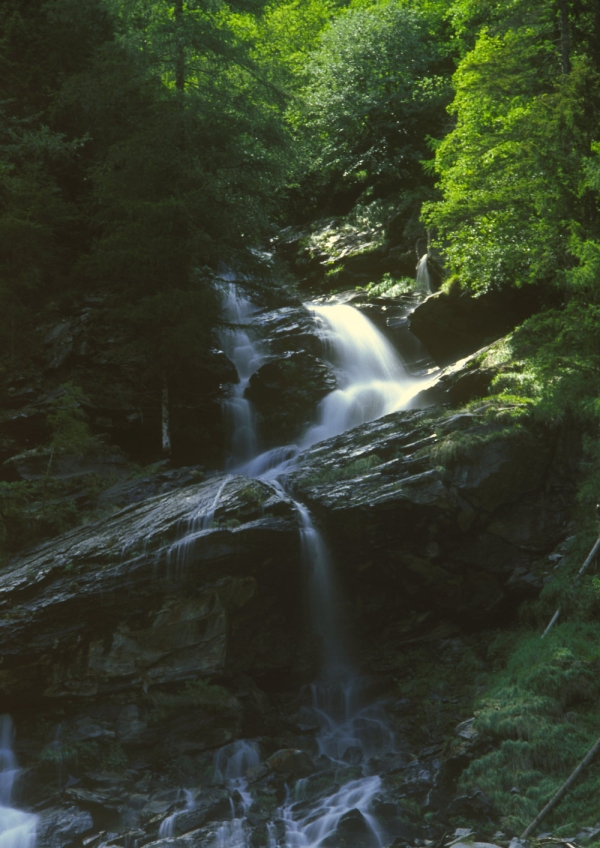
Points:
x=372, y=95
x=511, y=169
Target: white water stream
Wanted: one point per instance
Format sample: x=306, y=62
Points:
x=245, y=354
x=17, y=828
x=372, y=381
x=423, y=276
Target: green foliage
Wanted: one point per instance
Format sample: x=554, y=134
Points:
x=511, y=169
x=373, y=95
x=540, y=715
x=390, y=286
x=33, y=217
x=254, y=494
x=30, y=512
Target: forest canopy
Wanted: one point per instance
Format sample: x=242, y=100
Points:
x=143, y=142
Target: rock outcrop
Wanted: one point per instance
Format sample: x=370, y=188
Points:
x=151, y=596
x=453, y=324
x=450, y=512
x=287, y=388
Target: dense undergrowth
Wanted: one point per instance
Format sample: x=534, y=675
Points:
x=541, y=708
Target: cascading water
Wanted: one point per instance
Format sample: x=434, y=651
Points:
x=17, y=829
x=312, y=828
x=423, y=277
x=245, y=355
x=167, y=826
x=200, y=522
x=349, y=729
x=372, y=381
x=231, y=765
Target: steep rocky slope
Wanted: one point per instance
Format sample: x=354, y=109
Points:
x=161, y=633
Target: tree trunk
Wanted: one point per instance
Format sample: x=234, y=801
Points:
x=558, y=796
x=180, y=54
x=166, y=430
x=565, y=40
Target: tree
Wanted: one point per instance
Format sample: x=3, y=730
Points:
x=510, y=171
x=374, y=96
x=186, y=177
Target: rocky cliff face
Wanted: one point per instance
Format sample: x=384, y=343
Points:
x=133, y=648
x=451, y=512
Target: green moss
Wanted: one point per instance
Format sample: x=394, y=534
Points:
x=253, y=494
x=343, y=472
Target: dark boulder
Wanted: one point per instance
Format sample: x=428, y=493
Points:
x=286, y=392
x=454, y=324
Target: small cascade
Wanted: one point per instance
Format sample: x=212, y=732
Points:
x=167, y=826
x=351, y=729
x=423, y=276
x=231, y=765
x=245, y=355
x=201, y=521
x=347, y=724
x=372, y=381
x=17, y=828
x=324, y=597
x=320, y=823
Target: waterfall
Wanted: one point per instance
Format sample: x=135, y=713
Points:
x=167, y=826
x=423, y=277
x=313, y=828
x=372, y=381
x=17, y=829
x=231, y=765
x=239, y=413
x=324, y=597
x=181, y=550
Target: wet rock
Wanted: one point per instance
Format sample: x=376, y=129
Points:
x=474, y=806
x=354, y=831
x=163, y=481
x=393, y=820
x=446, y=512
x=64, y=827
x=291, y=328
x=286, y=392
x=353, y=756
x=129, y=724
x=461, y=382
x=290, y=764
x=587, y=834
x=348, y=251
x=100, y=461
x=287, y=388
x=118, y=604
